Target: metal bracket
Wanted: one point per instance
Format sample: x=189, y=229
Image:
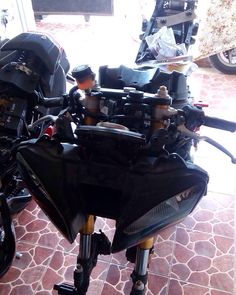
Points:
x=175, y=19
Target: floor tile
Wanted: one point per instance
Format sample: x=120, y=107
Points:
x=118, y=282
x=32, y=226
x=61, y=269
x=160, y=261
x=26, y=272
x=183, y=288
x=204, y=259
x=214, y=214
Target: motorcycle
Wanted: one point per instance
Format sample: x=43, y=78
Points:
x=33, y=70
x=225, y=61
x=108, y=156
x=181, y=17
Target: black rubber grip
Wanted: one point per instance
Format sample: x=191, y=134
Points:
x=219, y=124
x=53, y=102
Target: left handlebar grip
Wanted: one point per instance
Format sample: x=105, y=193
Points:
x=53, y=102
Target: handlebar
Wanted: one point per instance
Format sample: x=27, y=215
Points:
x=53, y=102
x=187, y=120
x=219, y=123
x=195, y=117
x=119, y=93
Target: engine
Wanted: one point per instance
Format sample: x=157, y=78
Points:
x=12, y=115
x=13, y=111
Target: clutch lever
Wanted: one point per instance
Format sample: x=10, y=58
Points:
x=186, y=132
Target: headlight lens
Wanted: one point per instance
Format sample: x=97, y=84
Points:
x=167, y=211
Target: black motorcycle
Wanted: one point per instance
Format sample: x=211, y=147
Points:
x=33, y=70
x=110, y=156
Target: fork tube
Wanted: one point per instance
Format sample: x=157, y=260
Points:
x=142, y=257
x=85, y=246
x=141, y=261
x=140, y=273
x=86, y=238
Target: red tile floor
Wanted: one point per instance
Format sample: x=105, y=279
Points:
x=195, y=257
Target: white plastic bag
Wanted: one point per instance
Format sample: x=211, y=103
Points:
x=163, y=46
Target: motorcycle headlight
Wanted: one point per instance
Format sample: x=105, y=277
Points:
x=164, y=214
x=49, y=192
x=161, y=213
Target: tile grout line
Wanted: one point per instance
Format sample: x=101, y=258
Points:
x=234, y=246
x=211, y=234
x=204, y=232
x=171, y=261
x=45, y=270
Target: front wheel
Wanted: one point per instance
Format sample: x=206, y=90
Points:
x=7, y=237
x=225, y=61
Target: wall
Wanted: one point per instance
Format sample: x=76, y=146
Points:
x=19, y=16
x=217, y=30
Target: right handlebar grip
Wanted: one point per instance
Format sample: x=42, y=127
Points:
x=219, y=123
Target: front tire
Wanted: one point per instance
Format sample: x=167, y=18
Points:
x=225, y=62
x=7, y=237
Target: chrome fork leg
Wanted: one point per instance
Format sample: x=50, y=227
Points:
x=140, y=272
x=85, y=246
x=84, y=261
x=141, y=263
x=91, y=245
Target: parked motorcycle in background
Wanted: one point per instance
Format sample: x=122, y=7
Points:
x=183, y=18
x=110, y=155
x=225, y=61
x=33, y=70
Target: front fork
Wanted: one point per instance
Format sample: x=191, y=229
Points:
x=90, y=246
x=140, y=272
x=86, y=261
x=7, y=236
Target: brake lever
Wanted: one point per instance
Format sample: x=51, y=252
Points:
x=48, y=118
x=41, y=120
x=182, y=128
